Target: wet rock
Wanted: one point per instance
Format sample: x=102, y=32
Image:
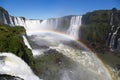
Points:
x=51, y=51
x=9, y=77
x=117, y=67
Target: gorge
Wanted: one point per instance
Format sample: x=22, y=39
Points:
x=69, y=25
x=53, y=42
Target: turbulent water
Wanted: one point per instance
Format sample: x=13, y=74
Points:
x=14, y=66
x=53, y=38
x=88, y=66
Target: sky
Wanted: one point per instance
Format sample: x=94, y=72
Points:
x=44, y=9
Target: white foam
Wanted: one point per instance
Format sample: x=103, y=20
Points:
x=15, y=66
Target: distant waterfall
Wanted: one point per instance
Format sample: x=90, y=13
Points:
x=113, y=35
x=118, y=46
x=112, y=41
x=75, y=26
x=53, y=23
x=32, y=25
x=5, y=20
x=68, y=25
x=11, y=21
x=111, y=20
x=15, y=66
x=19, y=21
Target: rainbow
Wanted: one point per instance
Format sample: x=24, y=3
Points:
x=32, y=32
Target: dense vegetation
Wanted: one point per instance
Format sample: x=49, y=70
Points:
x=96, y=26
x=95, y=30
x=11, y=41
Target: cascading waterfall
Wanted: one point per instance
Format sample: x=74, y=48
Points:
x=26, y=42
x=68, y=25
x=112, y=35
x=5, y=20
x=112, y=41
x=118, y=46
x=53, y=22
x=111, y=21
x=32, y=25
x=11, y=21
x=18, y=21
x=21, y=21
x=15, y=66
x=75, y=26
x=34, y=51
x=50, y=24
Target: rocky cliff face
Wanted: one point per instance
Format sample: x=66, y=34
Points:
x=4, y=16
x=102, y=27
x=11, y=41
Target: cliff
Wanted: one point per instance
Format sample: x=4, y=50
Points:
x=11, y=41
x=3, y=15
x=98, y=28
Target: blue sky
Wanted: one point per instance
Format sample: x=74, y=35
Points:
x=43, y=9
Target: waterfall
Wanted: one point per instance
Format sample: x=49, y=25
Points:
x=112, y=41
x=4, y=18
x=35, y=25
x=18, y=21
x=15, y=66
x=11, y=21
x=111, y=21
x=75, y=26
x=112, y=35
x=21, y=21
x=68, y=25
x=35, y=52
x=26, y=42
x=53, y=23
x=118, y=46
x=56, y=24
